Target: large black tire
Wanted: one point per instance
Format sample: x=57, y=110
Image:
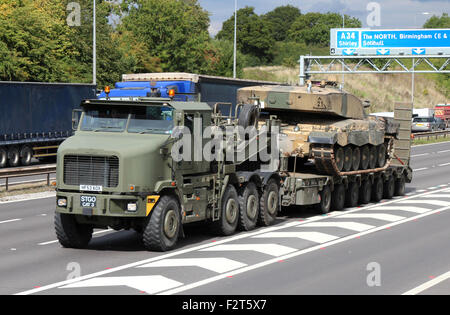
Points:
x=70, y=233
x=26, y=153
x=365, y=192
x=248, y=207
x=377, y=189
x=389, y=188
x=338, y=197
x=269, y=203
x=400, y=186
x=352, y=195
x=248, y=116
x=325, y=200
x=163, y=227
x=13, y=156
x=3, y=157
x=229, y=216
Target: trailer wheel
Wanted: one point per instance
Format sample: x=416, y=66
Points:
x=70, y=233
x=269, y=203
x=325, y=200
x=352, y=195
x=400, y=186
x=338, y=197
x=163, y=226
x=26, y=153
x=249, y=207
x=229, y=216
x=3, y=157
x=13, y=156
x=365, y=192
x=377, y=189
x=389, y=188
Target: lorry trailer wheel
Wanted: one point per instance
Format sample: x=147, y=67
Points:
x=389, y=188
x=13, y=156
x=377, y=189
x=249, y=207
x=269, y=204
x=3, y=157
x=338, y=197
x=163, y=226
x=365, y=192
x=70, y=233
x=352, y=195
x=26, y=153
x=325, y=200
x=400, y=186
x=229, y=216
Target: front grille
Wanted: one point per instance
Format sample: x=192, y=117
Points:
x=91, y=170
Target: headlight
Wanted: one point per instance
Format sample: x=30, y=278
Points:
x=132, y=207
x=62, y=202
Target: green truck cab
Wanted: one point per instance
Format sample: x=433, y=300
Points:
x=118, y=171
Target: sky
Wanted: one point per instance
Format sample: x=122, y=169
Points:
x=393, y=13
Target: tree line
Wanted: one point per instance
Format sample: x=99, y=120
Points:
x=134, y=36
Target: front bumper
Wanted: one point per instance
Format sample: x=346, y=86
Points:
x=106, y=205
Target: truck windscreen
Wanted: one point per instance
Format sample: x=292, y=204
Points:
x=151, y=119
x=105, y=119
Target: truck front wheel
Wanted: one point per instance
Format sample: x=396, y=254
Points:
x=163, y=226
x=70, y=233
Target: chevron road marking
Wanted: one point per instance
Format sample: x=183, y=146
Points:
x=316, y=237
x=403, y=208
x=147, y=284
x=269, y=249
x=218, y=265
x=437, y=196
x=354, y=226
x=430, y=202
x=378, y=216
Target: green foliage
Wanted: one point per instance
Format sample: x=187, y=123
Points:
x=254, y=36
x=314, y=28
x=280, y=21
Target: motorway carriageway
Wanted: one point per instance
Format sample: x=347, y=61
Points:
x=405, y=239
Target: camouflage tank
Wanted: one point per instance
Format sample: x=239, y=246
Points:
x=321, y=123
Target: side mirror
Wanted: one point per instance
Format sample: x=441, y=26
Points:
x=76, y=115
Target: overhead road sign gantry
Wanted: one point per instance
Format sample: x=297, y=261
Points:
x=389, y=42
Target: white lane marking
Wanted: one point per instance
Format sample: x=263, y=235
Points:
x=147, y=284
x=56, y=241
x=403, y=208
x=336, y=214
x=8, y=221
x=38, y=196
x=269, y=249
x=315, y=237
x=437, y=196
x=428, y=284
x=219, y=264
x=295, y=254
x=429, y=202
x=354, y=226
x=421, y=154
x=443, y=151
x=378, y=216
x=445, y=164
x=420, y=169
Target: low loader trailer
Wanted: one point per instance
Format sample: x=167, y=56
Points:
x=154, y=165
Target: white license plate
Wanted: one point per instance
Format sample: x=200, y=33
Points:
x=91, y=188
x=88, y=201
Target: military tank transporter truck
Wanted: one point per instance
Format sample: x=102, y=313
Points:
x=154, y=165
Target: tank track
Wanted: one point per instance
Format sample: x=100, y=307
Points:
x=324, y=160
